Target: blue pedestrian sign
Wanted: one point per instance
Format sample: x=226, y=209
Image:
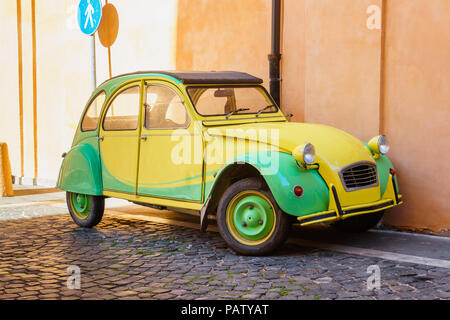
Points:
x=89, y=15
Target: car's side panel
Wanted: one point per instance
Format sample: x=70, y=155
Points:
x=81, y=171
x=119, y=147
x=164, y=172
x=171, y=159
x=119, y=161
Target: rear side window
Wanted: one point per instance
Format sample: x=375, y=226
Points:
x=123, y=112
x=90, y=120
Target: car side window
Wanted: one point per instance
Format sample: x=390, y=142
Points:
x=164, y=109
x=123, y=111
x=90, y=120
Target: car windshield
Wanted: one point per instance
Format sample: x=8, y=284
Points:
x=229, y=100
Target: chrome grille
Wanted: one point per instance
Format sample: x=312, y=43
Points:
x=359, y=175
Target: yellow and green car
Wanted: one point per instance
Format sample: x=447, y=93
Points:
x=216, y=144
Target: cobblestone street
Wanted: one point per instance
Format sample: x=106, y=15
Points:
x=135, y=259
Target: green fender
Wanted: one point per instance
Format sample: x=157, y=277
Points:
x=81, y=171
x=282, y=173
x=383, y=166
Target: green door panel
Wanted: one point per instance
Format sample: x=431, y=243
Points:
x=81, y=171
x=282, y=174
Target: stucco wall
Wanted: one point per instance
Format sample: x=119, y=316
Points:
x=331, y=68
x=224, y=35
x=417, y=109
x=9, y=90
x=332, y=74
x=146, y=40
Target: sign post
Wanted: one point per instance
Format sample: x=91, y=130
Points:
x=89, y=18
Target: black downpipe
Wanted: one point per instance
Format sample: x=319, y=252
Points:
x=275, y=56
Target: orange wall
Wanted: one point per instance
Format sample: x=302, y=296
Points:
x=342, y=66
x=224, y=35
x=417, y=109
x=332, y=74
x=293, y=64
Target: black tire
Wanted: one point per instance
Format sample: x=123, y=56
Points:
x=93, y=214
x=280, y=228
x=359, y=224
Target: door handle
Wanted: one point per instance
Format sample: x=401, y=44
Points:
x=144, y=138
x=101, y=138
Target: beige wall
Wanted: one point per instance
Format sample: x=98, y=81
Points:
x=417, y=109
x=293, y=65
x=342, y=66
x=334, y=60
x=62, y=87
x=146, y=40
x=9, y=91
x=224, y=35
x=331, y=67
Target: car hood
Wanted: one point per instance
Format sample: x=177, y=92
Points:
x=334, y=148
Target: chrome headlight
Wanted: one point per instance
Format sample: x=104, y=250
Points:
x=305, y=154
x=379, y=145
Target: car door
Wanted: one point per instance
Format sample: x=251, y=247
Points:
x=119, y=140
x=171, y=159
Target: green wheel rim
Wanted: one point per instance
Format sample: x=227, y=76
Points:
x=81, y=205
x=251, y=218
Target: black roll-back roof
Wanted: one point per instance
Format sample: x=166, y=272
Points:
x=204, y=77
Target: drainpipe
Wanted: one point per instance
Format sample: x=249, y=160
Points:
x=275, y=56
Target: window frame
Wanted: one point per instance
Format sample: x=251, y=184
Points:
x=89, y=106
x=180, y=95
x=119, y=92
x=231, y=86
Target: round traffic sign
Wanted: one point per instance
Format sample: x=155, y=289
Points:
x=89, y=15
x=109, y=27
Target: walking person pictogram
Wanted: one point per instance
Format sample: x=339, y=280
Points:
x=88, y=13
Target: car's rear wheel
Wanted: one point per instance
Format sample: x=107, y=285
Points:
x=360, y=223
x=86, y=211
x=250, y=220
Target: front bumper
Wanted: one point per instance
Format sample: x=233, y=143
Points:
x=390, y=199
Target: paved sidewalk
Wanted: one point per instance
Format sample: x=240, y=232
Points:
x=138, y=258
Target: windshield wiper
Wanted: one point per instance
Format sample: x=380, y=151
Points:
x=236, y=111
x=264, y=109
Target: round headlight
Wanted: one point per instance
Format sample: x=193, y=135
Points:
x=305, y=154
x=309, y=154
x=383, y=145
x=379, y=145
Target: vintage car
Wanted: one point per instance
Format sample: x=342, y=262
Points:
x=216, y=144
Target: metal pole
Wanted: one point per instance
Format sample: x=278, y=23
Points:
x=275, y=56
x=94, y=68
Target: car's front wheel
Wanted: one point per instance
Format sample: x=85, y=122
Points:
x=360, y=223
x=250, y=220
x=86, y=211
